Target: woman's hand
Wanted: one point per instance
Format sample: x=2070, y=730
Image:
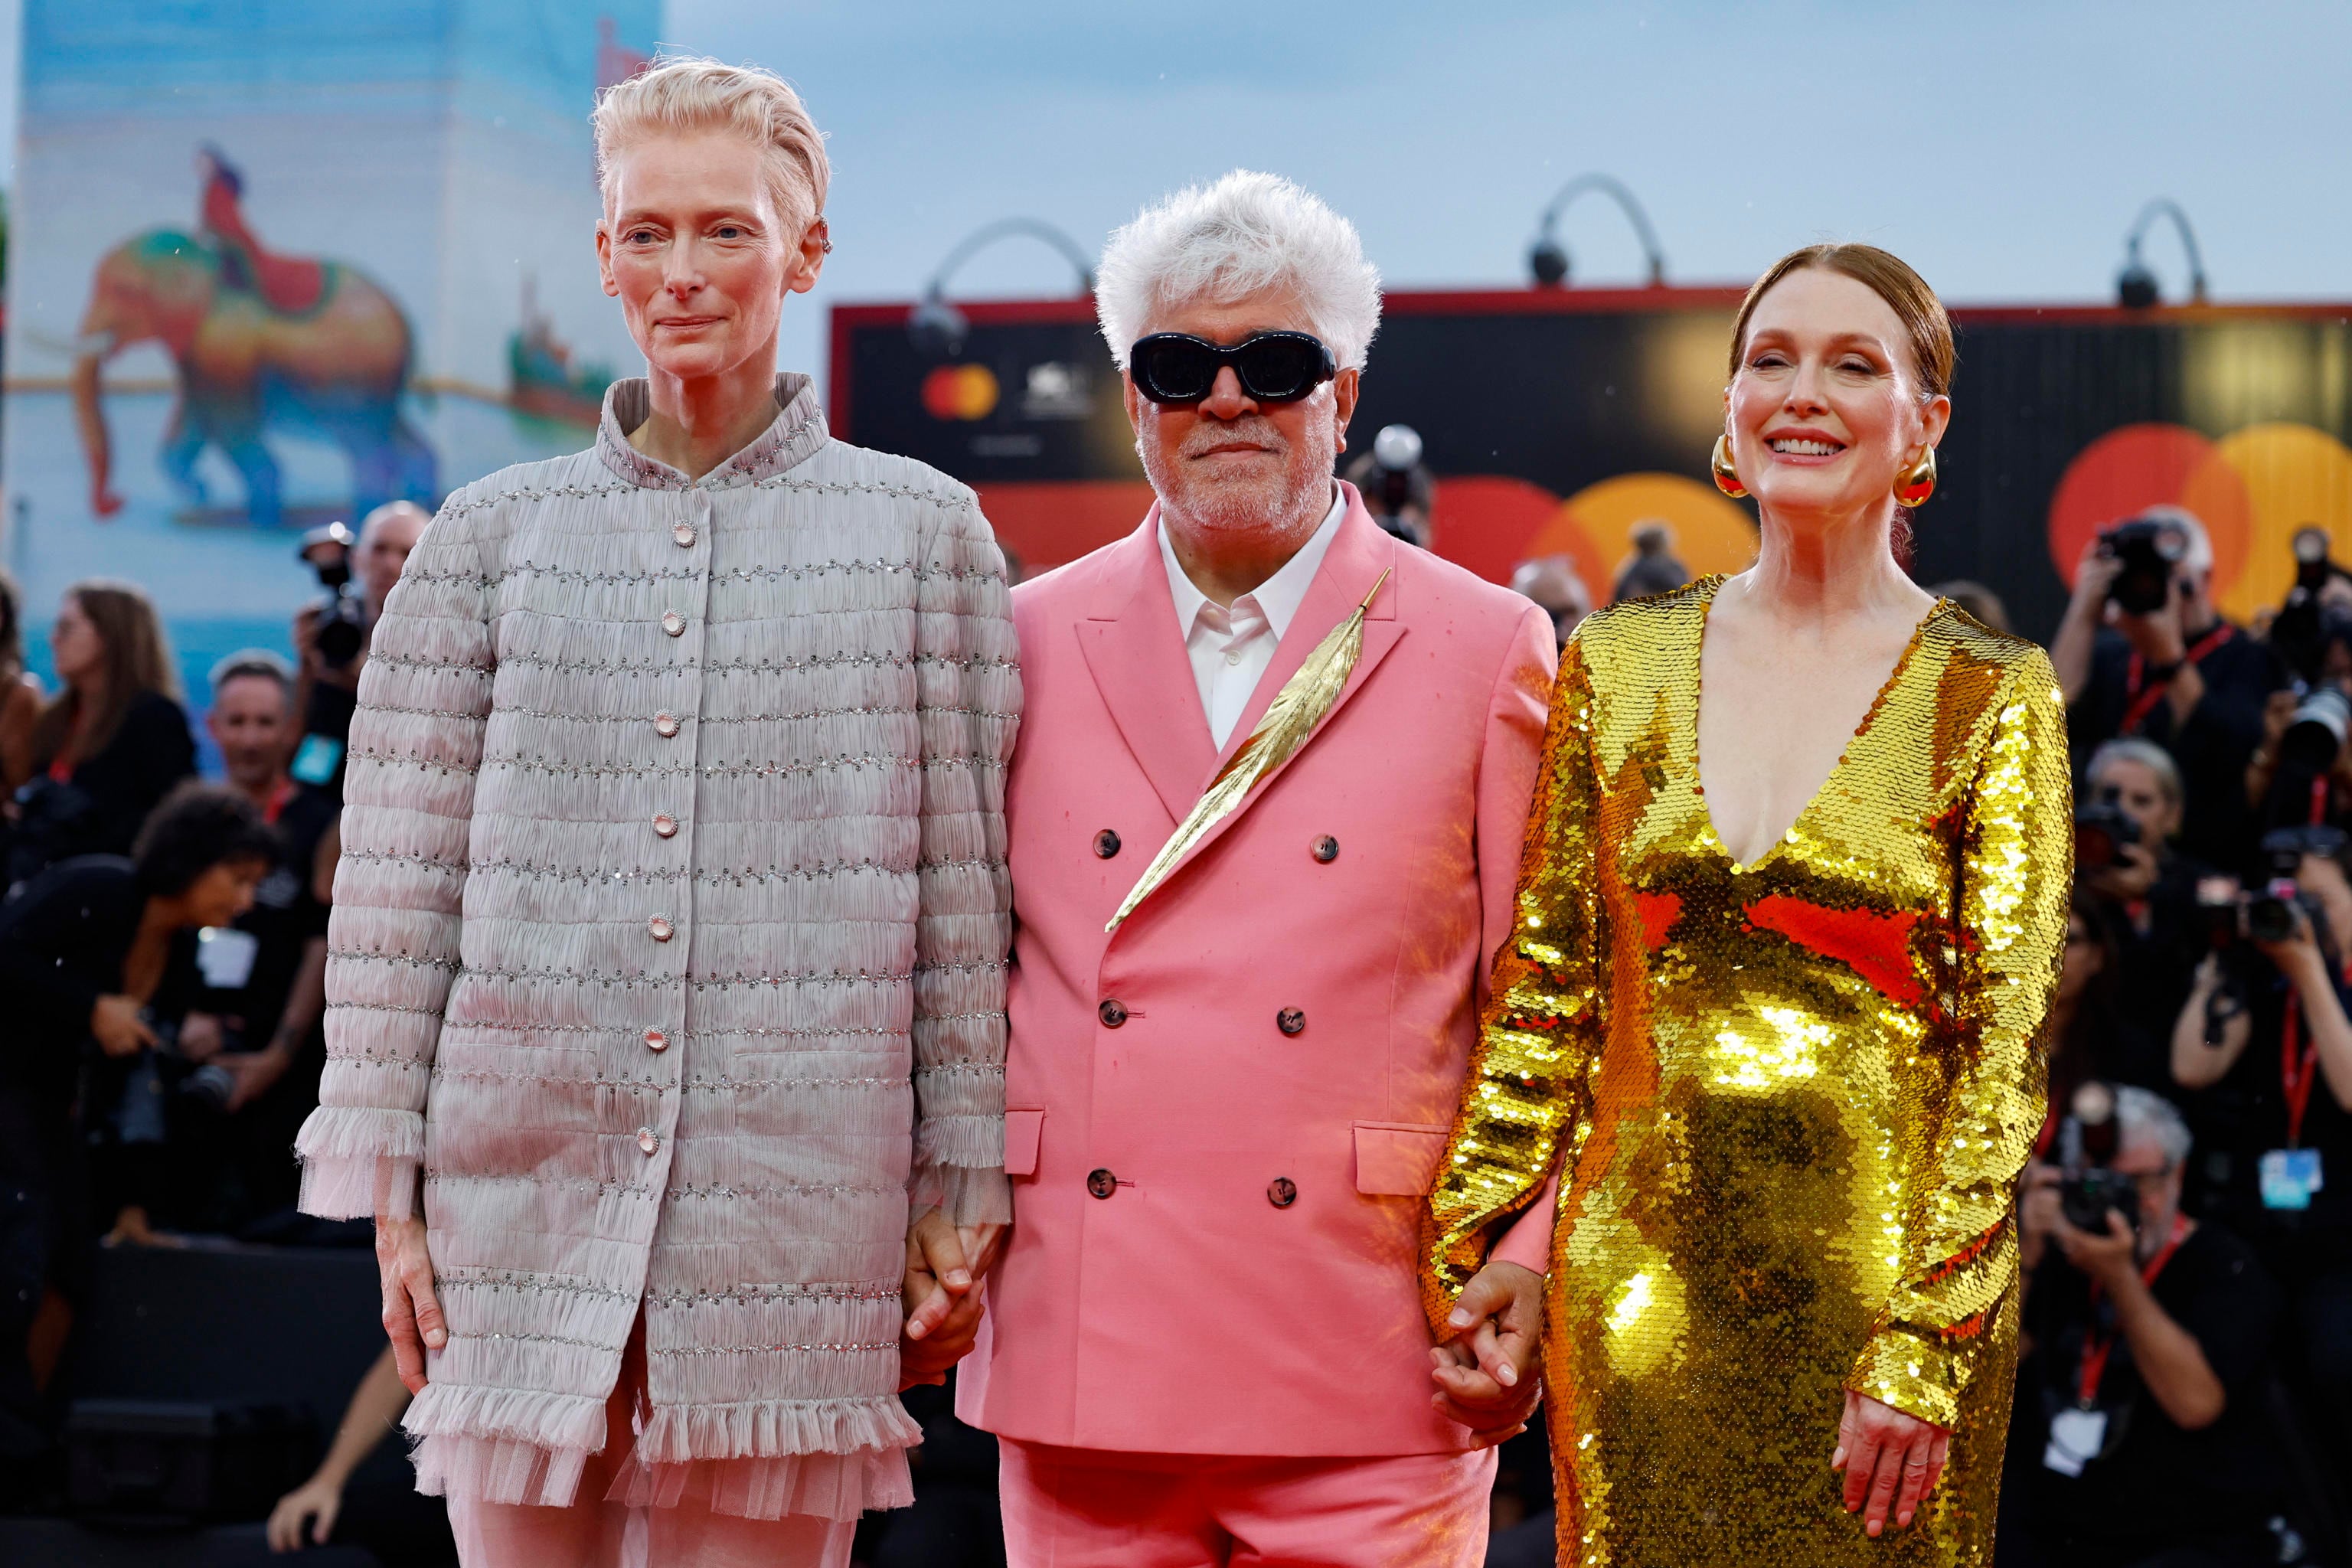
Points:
x=1486, y=1374
x=116, y=1026
x=941, y=1295
x=411, y=1313
x=317, y=1500
x=1891, y=1460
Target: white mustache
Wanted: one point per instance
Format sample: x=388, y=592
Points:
x=1257, y=430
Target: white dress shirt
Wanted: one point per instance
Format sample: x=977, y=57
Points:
x=1230, y=649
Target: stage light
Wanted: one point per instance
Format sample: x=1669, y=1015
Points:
x=1548, y=257
x=936, y=327
x=2135, y=287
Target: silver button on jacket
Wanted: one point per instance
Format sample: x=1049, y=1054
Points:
x=789, y=995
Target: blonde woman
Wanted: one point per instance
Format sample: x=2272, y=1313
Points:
x=667, y=957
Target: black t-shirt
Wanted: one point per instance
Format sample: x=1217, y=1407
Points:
x=285, y=916
x=2154, y=1481
x=2212, y=747
x=2243, y=1116
x=2159, y=964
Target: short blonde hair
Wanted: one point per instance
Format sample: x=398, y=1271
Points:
x=694, y=92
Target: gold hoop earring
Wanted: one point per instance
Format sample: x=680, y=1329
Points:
x=1727, y=478
x=1914, y=487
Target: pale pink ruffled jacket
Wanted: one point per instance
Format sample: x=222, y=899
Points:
x=669, y=945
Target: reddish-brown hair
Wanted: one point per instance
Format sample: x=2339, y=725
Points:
x=1886, y=274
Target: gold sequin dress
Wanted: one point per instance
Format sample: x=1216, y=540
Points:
x=1794, y=1096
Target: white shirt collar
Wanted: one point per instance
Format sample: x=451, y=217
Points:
x=1278, y=597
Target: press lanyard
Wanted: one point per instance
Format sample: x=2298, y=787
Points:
x=2296, y=1069
x=2097, y=1347
x=2140, y=700
x=279, y=793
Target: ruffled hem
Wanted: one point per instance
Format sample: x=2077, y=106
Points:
x=829, y=1458
x=966, y=1194
x=359, y=1186
x=838, y=1487
x=359, y=1161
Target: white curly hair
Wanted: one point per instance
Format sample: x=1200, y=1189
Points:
x=1243, y=234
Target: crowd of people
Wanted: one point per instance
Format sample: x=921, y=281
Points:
x=2185, y=1299
x=2187, y=1360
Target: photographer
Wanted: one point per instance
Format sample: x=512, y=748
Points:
x=96, y=958
x=2142, y=651
x=2135, y=1438
x=2125, y=822
x=2268, y=1047
x=330, y=637
x=264, y=978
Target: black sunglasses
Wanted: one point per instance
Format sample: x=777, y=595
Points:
x=1273, y=367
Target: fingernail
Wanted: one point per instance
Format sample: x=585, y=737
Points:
x=958, y=1278
x=1873, y=1528
x=1507, y=1377
x=434, y=1338
x=915, y=1330
x=1837, y=1459
x=1903, y=1518
x=1459, y=1319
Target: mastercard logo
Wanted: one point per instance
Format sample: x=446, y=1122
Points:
x=2253, y=489
x=961, y=391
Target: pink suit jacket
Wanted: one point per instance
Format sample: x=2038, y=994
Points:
x=1220, y=1119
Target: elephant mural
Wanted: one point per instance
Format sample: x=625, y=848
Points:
x=334, y=362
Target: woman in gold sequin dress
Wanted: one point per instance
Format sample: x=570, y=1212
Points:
x=1771, y=1022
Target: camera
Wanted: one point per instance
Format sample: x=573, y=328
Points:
x=1397, y=487
x=2271, y=914
x=2305, y=629
x=2089, y=1189
x=2101, y=830
x=2149, y=550
x=342, y=618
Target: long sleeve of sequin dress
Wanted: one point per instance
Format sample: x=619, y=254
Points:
x=1795, y=1094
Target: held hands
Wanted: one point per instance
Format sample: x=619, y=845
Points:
x=1891, y=1460
x=945, y=1265
x=411, y=1313
x=1485, y=1374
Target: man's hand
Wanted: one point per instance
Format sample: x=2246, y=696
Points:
x=252, y=1074
x=314, y=1504
x=2129, y=877
x=120, y=1031
x=2112, y=1260
x=1485, y=1374
x=411, y=1313
x=2095, y=575
x=942, y=1297
x=1892, y=1461
x=202, y=1035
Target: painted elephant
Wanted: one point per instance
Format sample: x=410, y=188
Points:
x=337, y=369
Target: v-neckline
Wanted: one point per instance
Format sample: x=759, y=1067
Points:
x=1699, y=701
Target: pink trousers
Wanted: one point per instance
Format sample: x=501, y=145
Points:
x=596, y=1533
x=1077, y=1508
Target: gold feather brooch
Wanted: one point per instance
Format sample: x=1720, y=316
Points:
x=1301, y=704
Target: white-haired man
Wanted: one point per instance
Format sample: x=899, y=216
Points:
x=2177, y=674
x=1205, y=1342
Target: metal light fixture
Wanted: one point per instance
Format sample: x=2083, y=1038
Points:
x=1547, y=258
x=938, y=328
x=2136, y=287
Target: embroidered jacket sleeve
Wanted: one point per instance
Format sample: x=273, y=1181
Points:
x=2016, y=865
x=969, y=707
x=392, y=938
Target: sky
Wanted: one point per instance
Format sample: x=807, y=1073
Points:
x=2002, y=148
